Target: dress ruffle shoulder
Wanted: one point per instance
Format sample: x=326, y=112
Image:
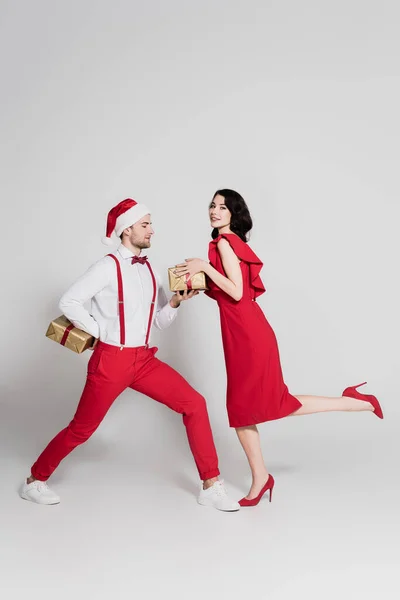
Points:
x=245, y=254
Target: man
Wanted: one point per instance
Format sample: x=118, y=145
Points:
x=127, y=299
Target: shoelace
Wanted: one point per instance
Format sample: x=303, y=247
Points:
x=42, y=486
x=220, y=489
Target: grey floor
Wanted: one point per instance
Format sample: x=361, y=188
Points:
x=129, y=523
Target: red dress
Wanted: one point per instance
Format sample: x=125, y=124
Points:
x=256, y=391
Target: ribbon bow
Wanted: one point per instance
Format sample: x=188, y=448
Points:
x=139, y=259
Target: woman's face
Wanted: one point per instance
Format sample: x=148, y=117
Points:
x=220, y=215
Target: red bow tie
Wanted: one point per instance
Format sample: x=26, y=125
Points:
x=139, y=259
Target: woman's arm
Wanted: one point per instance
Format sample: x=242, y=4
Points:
x=232, y=284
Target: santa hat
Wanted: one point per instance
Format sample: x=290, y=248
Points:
x=123, y=215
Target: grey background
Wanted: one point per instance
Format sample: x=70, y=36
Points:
x=295, y=105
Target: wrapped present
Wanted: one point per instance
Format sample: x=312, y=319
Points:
x=62, y=331
x=180, y=284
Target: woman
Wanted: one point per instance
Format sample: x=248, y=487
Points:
x=256, y=391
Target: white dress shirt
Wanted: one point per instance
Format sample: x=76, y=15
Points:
x=100, y=285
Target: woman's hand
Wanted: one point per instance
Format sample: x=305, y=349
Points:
x=191, y=266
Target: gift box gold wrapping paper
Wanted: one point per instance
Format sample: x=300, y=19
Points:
x=63, y=332
x=178, y=284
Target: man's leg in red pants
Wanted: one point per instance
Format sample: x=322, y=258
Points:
x=98, y=395
x=148, y=375
x=162, y=383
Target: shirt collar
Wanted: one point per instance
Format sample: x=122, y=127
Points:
x=125, y=252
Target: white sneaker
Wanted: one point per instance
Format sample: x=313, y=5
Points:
x=39, y=492
x=217, y=496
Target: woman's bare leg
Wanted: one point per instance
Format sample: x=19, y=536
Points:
x=250, y=440
x=319, y=404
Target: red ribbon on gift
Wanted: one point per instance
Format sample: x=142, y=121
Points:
x=66, y=334
x=188, y=281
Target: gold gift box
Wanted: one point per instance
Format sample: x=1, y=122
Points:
x=178, y=284
x=74, y=339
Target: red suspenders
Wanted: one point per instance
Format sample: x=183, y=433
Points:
x=153, y=300
x=121, y=311
x=121, y=306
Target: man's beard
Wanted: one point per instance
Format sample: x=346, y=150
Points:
x=142, y=245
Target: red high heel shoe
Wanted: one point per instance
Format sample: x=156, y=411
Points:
x=268, y=486
x=352, y=392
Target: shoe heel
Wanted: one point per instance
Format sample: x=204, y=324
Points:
x=271, y=489
x=359, y=385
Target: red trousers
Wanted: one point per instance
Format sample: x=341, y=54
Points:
x=112, y=370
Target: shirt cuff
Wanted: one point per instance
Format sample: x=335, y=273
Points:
x=92, y=329
x=170, y=311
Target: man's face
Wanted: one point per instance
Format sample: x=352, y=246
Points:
x=141, y=233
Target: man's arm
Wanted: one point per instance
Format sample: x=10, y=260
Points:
x=166, y=310
x=87, y=286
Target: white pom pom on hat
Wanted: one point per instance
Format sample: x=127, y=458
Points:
x=123, y=215
x=107, y=241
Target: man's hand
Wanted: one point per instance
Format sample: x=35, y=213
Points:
x=177, y=298
x=94, y=345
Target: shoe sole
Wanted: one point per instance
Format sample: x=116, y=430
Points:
x=211, y=505
x=42, y=503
